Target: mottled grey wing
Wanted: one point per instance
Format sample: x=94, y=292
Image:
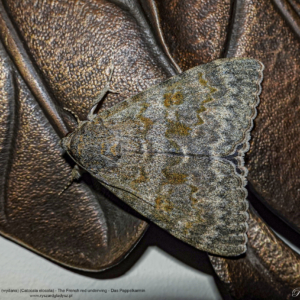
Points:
x=175, y=152
x=198, y=199
x=207, y=110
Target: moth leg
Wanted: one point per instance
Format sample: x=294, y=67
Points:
x=76, y=174
x=76, y=117
x=102, y=94
x=106, y=89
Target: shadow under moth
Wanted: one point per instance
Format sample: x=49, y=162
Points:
x=175, y=152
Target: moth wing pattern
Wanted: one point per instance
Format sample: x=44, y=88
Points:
x=177, y=195
x=175, y=152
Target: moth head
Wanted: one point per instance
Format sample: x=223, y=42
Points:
x=92, y=146
x=65, y=142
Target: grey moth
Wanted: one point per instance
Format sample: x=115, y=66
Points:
x=175, y=152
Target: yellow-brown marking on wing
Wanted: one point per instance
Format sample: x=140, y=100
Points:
x=162, y=202
x=187, y=226
x=194, y=189
x=173, y=178
x=178, y=128
x=146, y=121
x=200, y=120
x=203, y=82
x=177, y=98
x=175, y=145
x=158, y=202
x=202, y=109
x=141, y=178
x=173, y=98
x=113, y=149
x=103, y=148
x=167, y=98
x=209, y=98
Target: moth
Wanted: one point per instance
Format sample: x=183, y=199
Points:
x=175, y=152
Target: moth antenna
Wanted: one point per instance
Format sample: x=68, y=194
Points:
x=112, y=67
x=76, y=117
x=76, y=174
x=65, y=188
x=114, y=91
x=103, y=92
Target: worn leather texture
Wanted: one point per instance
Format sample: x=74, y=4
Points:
x=55, y=54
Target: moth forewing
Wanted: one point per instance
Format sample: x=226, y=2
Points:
x=175, y=152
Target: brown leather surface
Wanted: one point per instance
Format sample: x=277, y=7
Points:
x=71, y=51
x=72, y=228
x=71, y=44
x=195, y=31
x=274, y=156
x=269, y=270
